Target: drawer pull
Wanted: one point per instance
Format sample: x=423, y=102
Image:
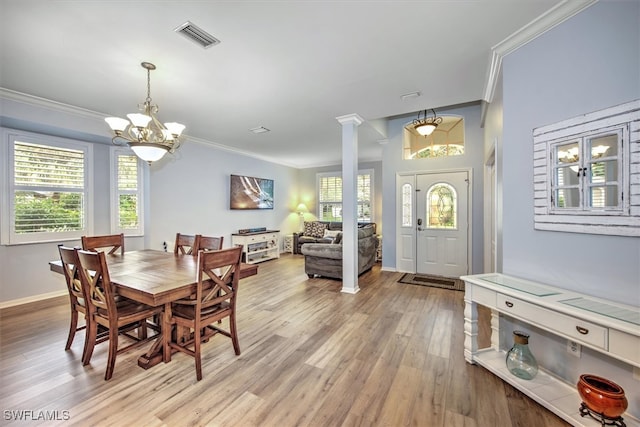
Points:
x=583, y=331
x=508, y=304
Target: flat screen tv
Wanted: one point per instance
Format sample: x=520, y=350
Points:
x=248, y=192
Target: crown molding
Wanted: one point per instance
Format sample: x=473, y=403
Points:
x=553, y=17
x=48, y=104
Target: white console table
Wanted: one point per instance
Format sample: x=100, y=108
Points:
x=258, y=246
x=607, y=327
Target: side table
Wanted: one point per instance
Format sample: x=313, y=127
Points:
x=288, y=243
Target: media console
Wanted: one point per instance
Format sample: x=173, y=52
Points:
x=258, y=246
x=607, y=327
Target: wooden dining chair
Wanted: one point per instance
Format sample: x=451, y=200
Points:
x=69, y=259
x=208, y=243
x=119, y=318
x=186, y=244
x=215, y=299
x=112, y=241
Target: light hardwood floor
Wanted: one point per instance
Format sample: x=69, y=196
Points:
x=391, y=355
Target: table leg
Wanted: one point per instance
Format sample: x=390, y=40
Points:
x=159, y=351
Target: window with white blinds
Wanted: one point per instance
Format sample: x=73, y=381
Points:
x=126, y=206
x=330, y=196
x=47, y=198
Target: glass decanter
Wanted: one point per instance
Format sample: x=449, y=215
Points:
x=520, y=360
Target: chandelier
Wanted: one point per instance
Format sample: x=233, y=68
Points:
x=149, y=139
x=426, y=125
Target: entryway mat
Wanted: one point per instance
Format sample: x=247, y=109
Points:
x=434, y=281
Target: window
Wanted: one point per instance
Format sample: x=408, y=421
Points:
x=48, y=186
x=585, y=177
x=442, y=205
x=127, y=195
x=330, y=196
x=407, y=205
x=446, y=140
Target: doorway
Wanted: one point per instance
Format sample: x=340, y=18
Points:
x=433, y=227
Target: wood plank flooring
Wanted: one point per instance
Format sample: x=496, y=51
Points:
x=391, y=355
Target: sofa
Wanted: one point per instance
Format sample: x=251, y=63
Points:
x=321, y=232
x=325, y=259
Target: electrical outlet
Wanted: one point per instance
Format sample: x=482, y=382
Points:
x=574, y=348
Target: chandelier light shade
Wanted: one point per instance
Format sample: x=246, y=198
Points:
x=426, y=125
x=149, y=139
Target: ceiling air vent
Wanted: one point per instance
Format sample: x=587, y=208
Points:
x=198, y=35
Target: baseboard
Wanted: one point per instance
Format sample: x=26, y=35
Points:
x=16, y=306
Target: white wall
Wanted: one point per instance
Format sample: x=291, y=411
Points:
x=191, y=195
x=590, y=62
x=393, y=163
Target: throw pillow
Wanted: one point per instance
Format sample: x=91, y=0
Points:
x=314, y=229
x=331, y=234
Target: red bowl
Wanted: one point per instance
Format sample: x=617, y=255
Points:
x=602, y=396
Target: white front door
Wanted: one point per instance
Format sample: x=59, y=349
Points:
x=442, y=218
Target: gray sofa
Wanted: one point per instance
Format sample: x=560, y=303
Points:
x=325, y=259
x=313, y=233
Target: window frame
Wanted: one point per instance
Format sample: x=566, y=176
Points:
x=369, y=172
x=114, y=154
x=9, y=138
x=622, y=220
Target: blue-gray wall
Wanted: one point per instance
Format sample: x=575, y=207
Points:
x=590, y=62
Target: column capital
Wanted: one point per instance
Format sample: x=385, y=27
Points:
x=350, y=119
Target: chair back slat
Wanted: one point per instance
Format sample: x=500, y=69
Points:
x=113, y=242
x=186, y=244
x=209, y=243
x=220, y=268
x=69, y=259
x=94, y=274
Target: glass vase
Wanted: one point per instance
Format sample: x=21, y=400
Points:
x=520, y=360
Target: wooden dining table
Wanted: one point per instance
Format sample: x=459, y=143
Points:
x=155, y=278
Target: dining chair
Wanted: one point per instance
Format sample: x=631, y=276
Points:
x=215, y=299
x=208, y=243
x=112, y=241
x=186, y=244
x=69, y=259
x=119, y=318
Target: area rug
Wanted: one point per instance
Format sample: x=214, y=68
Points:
x=435, y=281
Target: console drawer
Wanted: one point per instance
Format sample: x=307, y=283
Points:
x=576, y=329
x=625, y=346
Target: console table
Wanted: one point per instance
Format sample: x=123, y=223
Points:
x=258, y=246
x=607, y=327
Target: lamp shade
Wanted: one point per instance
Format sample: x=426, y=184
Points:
x=302, y=208
x=426, y=129
x=149, y=152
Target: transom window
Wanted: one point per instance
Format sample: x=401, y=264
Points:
x=446, y=140
x=330, y=196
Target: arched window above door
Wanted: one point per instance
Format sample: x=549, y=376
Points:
x=442, y=206
x=446, y=140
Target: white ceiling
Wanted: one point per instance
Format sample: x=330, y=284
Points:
x=290, y=66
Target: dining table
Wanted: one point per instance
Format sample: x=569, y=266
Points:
x=156, y=278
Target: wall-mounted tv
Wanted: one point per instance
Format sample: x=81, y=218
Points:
x=248, y=192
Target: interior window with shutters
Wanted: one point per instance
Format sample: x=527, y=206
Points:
x=48, y=181
x=127, y=196
x=586, y=175
x=330, y=196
